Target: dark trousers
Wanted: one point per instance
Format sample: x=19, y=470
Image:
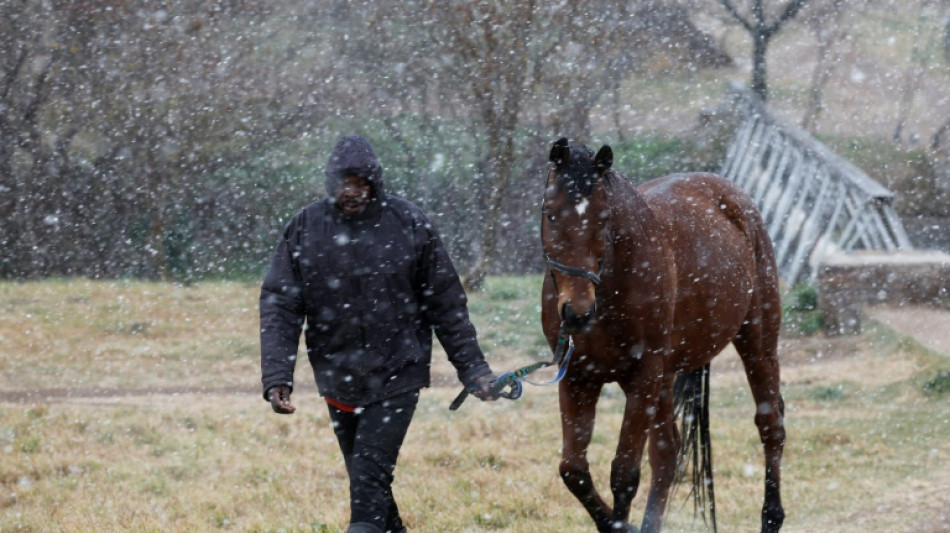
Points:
x=370, y=440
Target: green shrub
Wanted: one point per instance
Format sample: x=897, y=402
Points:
x=828, y=393
x=800, y=313
x=940, y=383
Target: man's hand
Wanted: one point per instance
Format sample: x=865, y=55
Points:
x=279, y=397
x=481, y=387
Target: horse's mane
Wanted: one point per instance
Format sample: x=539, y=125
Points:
x=582, y=163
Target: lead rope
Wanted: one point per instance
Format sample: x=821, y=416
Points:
x=512, y=380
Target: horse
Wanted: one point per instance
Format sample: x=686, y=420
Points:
x=651, y=282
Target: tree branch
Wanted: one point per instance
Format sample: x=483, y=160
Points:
x=791, y=10
x=736, y=15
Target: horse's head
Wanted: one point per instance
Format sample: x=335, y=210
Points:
x=575, y=216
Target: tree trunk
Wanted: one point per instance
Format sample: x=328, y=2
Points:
x=501, y=159
x=155, y=201
x=759, y=77
x=914, y=75
x=761, y=32
x=819, y=81
x=831, y=26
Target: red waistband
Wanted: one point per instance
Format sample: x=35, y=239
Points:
x=341, y=406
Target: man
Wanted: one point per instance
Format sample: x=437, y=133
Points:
x=368, y=275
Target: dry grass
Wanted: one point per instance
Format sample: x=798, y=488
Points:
x=135, y=407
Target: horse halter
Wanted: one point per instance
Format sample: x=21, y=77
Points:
x=574, y=271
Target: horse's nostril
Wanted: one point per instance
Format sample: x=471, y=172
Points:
x=589, y=315
x=572, y=319
x=567, y=313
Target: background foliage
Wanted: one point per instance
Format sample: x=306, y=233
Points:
x=174, y=140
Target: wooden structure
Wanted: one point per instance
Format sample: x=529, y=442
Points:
x=814, y=202
x=847, y=283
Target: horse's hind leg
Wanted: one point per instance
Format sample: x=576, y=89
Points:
x=578, y=407
x=757, y=344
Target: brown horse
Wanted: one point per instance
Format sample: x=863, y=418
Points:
x=653, y=282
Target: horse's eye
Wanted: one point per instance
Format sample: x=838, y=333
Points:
x=550, y=216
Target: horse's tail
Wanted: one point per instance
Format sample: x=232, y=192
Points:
x=691, y=398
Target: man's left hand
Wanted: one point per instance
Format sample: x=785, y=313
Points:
x=481, y=387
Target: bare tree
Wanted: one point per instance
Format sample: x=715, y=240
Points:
x=127, y=126
x=946, y=40
x=116, y=120
x=927, y=36
x=511, y=57
x=831, y=24
x=491, y=41
x=39, y=69
x=468, y=62
x=516, y=72
x=762, y=31
x=161, y=122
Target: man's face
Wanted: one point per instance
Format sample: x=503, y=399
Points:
x=353, y=194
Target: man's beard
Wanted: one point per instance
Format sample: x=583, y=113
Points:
x=354, y=206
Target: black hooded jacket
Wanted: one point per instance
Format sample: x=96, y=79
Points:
x=371, y=288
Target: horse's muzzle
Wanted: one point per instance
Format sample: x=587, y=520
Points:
x=574, y=322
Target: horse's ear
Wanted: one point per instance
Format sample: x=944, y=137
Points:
x=560, y=152
x=604, y=159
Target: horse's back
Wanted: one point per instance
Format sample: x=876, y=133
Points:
x=678, y=195
x=703, y=215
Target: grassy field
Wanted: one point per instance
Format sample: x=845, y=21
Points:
x=136, y=407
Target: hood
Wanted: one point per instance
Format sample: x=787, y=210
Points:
x=353, y=156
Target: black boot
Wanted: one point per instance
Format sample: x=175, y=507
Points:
x=363, y=527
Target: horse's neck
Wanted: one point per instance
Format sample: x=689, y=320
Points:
x=632, y=221
x=628, y=204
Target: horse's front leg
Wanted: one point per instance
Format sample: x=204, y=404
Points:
x=638, y=417
x=578, y=402
x=664, y=445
